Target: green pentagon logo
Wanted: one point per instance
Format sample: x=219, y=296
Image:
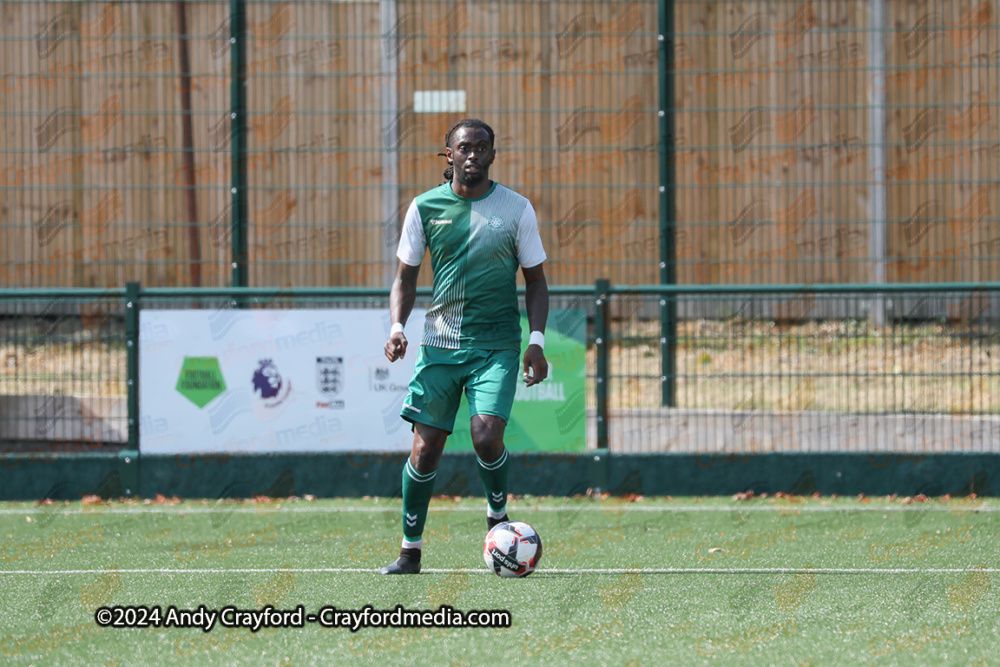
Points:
x=201, y=380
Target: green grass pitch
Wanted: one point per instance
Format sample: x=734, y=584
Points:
x=682, y=581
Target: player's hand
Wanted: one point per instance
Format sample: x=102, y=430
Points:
x=536, y=368
x=395, y=347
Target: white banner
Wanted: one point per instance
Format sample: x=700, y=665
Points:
x=263, y=381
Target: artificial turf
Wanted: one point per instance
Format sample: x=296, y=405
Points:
x=657, y=581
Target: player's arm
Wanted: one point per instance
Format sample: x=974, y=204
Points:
x=530, y=255
x=412, y=246
x=401, y=298
x=536, y=300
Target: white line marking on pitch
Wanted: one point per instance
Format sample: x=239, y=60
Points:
x=298, y=509
x=668, y=570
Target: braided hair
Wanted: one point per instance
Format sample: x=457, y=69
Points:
x=472, y=124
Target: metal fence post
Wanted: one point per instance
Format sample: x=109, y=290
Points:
x=601, y=288
x=599, y=468
x=238, y=132
x=668, y=203
x=388, y=16
x=128, y=459
x=876, y=141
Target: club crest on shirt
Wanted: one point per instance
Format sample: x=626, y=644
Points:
x=495, y=222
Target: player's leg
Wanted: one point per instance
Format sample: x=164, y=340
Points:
x=431, y=404
x=418, y=486
x=491, y=396
x=494, y=464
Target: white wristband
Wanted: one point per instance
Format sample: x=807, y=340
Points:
x=537, y=338
x=396, y=328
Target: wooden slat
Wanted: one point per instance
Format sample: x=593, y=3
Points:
x=571, y=89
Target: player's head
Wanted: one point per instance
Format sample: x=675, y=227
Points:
x=469, y=151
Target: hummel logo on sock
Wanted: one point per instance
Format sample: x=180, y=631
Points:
x=411, y=520
x=496, y=497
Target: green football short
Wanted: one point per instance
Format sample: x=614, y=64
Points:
x=489, y=378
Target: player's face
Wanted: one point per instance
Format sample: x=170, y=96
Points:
x=472, y=154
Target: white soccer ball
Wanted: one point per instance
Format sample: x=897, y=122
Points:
x=512, y=549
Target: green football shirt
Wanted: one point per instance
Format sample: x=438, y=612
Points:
x=476, y=246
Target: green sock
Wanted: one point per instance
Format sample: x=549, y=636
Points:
x=494, y=476
x=417, y=490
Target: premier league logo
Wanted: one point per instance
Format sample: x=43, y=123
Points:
x=272, y=389
x=330, y=381
x=267, y=379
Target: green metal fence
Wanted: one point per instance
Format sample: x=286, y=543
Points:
x=244, y=142
x=758, y=369
x=257, y=143
x=800, y=369
x=780, y=216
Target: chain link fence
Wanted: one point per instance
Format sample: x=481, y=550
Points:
x=798, y=144
x=782, y=142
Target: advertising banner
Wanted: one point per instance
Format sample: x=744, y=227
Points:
x=259, y=381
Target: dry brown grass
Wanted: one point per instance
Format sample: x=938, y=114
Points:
x=80, y=369
x=834, y=365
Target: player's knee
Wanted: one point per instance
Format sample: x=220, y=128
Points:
x=429, y=436
x=487, y=434
x=425, y=458
x=427, y=449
